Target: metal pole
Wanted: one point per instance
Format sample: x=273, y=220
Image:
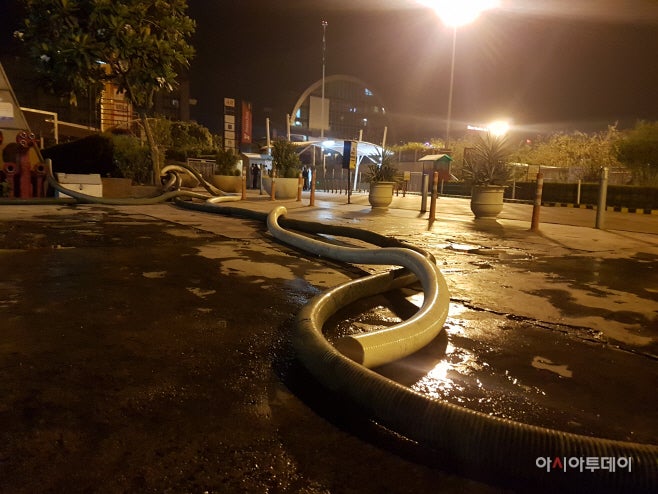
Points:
x=349, y=188
x=424, y=187
x=603, y=195
x=578, y=192
x=534, y=226
x=269, y=151
x=452, y=83
x=312, y=198
x=261, y=169
x=324, y=53
x=244, y=181
x=288, y=126
x=300, y=182
x=435, y=184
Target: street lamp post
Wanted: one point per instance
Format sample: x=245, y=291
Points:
x=452, y=83
x=324, y=52
x=454, y=14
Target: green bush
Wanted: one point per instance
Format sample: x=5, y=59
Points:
x=285, y=159
x=226, y=163
x=190, y=140
x=132, y=159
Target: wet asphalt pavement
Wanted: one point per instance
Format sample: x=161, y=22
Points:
x=146, y=348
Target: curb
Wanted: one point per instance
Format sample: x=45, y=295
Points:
x=616, y=209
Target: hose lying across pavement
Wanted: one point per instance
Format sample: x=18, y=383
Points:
x=474, y=442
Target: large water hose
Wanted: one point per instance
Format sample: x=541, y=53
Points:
x=474, y=443
x=502, y=448
x=398, y=341
x=173, y=181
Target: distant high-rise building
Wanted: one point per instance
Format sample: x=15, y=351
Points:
x=351, y=109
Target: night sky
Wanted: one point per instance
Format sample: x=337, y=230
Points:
x=545, y=64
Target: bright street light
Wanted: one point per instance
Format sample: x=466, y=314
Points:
x=456, y=13
x=498, y=128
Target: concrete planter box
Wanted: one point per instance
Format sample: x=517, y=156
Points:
x=227, y=183
x=285, y=188
x=116, y=188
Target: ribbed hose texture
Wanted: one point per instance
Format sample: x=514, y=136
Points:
x=473, y=443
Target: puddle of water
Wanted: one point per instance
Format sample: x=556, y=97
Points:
x=200, y=292
x=637, y=275
x=154, y=274
x=247, y=267
x=546, y=364
x=462, y=247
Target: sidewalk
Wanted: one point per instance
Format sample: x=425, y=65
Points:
x=144, y=347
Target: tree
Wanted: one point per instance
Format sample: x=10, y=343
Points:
x=138, y=45
x=583, y=154
x=638, y=150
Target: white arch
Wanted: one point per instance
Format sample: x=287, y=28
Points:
x=317, y=84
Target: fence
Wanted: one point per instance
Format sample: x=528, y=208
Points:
x=205, y=167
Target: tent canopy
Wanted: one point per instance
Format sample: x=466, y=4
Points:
x=363, y=149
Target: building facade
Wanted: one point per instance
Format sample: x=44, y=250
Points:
x=352, y=110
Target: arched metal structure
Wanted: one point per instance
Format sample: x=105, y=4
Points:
x=353, y=107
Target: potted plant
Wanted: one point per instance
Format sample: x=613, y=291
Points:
x=382, y=176
x=287, y=167
x=227, y=175
x=486, y=169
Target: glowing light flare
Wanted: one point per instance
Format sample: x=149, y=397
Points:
x=455, y=13
x=498, y=128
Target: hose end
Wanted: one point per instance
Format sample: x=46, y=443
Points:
x=351, y=348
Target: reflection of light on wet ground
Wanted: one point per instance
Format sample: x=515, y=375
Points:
x=438, y=382
x=546, y=364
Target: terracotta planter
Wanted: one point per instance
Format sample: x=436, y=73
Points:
x=381, y=194
x=285, y=188
x=227, y=183
x=487, y=200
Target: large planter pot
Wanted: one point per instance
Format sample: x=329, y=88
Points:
x=487, y=200
x=116, y=187
x=381, y=194
x=285, y=188
x=227, y=183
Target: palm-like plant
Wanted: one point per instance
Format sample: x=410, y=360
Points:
x=486, y=163
x=383, y=168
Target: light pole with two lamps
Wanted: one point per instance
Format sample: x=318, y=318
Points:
x=454, y=14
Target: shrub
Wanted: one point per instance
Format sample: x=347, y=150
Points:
x=486, y=163
x=285, y=159
x=131, y=158
x=383, y=169
x=226, y=163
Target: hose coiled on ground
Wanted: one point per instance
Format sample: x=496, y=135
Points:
x=473, y=443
